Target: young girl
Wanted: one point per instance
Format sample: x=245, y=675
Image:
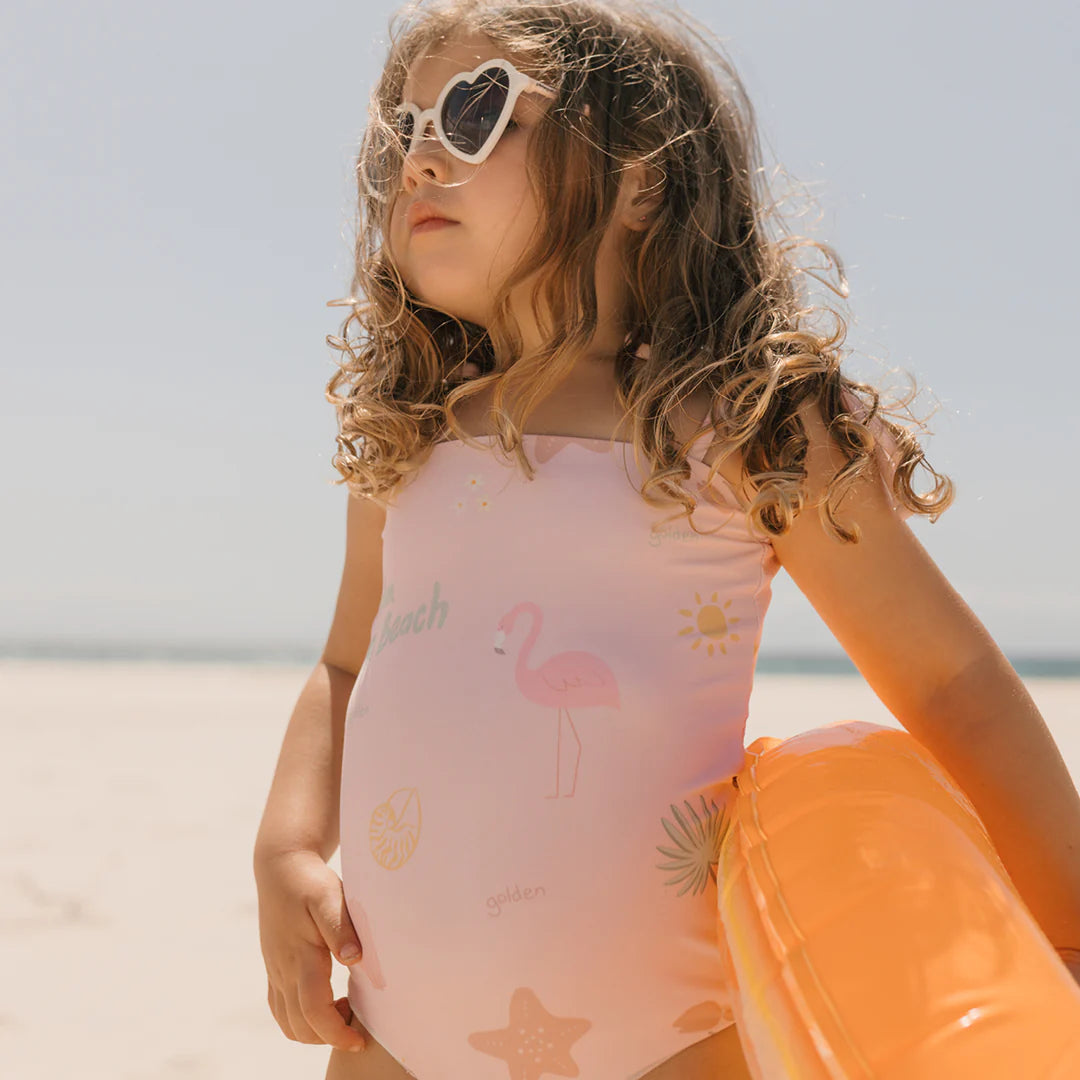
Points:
x=532, y=700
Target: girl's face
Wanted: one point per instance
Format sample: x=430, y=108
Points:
x=458, y=267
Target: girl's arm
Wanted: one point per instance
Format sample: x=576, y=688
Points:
x=302, y=808
x=938, y=671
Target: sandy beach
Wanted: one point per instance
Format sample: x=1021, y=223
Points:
x=131, y=794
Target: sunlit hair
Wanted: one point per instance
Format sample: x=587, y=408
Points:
x=717, y=301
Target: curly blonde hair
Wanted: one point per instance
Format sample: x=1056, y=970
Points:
x=715, y=300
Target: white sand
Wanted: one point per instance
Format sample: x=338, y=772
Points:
x=130, y=796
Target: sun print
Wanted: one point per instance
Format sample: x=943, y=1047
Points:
x=711, y=624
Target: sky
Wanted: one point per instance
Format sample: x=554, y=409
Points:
x=179, y=207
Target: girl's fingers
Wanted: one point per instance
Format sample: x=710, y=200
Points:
x=277, y=1007
x=342, y=1005
x=291, y=1018
x=330, y=913
x=289, y=1013
x=298, y=1021
x=328, y=1022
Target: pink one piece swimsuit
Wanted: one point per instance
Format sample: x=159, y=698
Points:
x=537, y=762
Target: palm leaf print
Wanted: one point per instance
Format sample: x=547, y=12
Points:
x=697, y=846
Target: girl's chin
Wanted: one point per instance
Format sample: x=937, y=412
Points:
x=444, y=301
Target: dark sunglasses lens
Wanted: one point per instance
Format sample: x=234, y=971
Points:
x=471, y=110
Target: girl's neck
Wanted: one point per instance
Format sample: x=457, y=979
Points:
x=584, y=404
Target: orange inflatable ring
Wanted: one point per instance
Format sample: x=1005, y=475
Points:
x=870, y=929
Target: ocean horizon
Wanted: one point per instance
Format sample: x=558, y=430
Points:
x=277, y=654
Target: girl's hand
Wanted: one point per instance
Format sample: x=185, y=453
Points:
x=302, y=917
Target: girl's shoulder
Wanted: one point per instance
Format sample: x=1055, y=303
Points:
x=688, y=422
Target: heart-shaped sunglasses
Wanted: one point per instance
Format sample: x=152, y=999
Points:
x=471, y=112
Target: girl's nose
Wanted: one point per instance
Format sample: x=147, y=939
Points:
x=425, y=155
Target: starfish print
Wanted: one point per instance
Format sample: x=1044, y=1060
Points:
x=534, y=1042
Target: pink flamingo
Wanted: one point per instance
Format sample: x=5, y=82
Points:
x=570, y=678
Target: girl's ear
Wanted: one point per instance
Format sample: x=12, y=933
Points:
x=636, y=209
x=641, y=196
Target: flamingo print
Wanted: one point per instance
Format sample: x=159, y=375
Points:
x=569, y=678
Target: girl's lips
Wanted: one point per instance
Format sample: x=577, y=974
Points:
x=432, y=224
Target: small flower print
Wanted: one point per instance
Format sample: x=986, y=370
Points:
x=474, y=482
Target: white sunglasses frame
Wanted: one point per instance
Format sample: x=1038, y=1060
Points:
x=519, y=83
